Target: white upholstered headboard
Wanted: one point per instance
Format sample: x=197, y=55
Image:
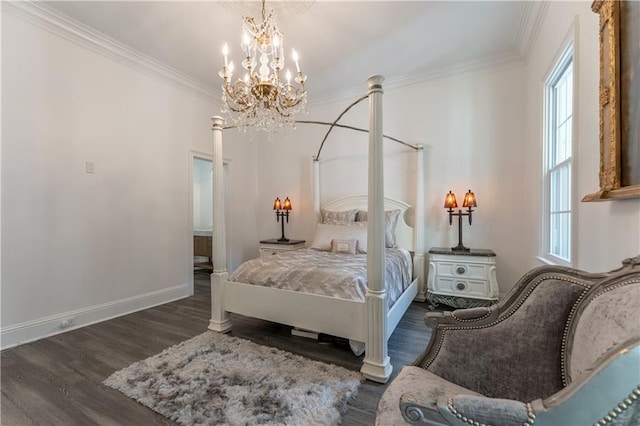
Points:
x=404, y=233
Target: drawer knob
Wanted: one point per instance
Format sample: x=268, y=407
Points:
x=461, y=286
x=461, y=270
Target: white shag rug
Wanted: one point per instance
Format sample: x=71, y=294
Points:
x=215, y=379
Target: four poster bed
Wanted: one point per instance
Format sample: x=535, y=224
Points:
x=368, y=308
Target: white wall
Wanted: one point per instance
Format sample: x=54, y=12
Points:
x=471, y=125
x=84, y=247
x=609, y=231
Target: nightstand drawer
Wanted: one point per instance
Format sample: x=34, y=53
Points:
x=462, y=279
x=273, y=247
x=465, y=270
x=269, y=252
x=461, y=287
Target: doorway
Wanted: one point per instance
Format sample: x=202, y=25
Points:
x=201, y=216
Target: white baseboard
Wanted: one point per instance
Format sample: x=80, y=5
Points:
x=30, y=331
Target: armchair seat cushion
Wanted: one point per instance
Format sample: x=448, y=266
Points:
x=430, y=386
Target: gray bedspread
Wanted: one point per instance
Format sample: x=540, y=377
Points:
x=336, y=275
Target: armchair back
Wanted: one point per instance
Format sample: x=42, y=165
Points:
x=514, y=352
x=607, y=317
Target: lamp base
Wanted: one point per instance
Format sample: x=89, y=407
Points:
x=286, y=240
x=460, y=247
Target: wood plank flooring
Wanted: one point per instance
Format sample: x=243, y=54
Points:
x=58, y=380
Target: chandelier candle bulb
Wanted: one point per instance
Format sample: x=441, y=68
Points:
x=294, y=55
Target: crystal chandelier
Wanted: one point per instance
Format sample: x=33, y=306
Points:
x=261, y=99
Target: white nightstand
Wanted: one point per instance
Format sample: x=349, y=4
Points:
x=274, y=246
x=462, y=279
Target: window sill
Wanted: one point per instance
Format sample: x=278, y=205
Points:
x=550, y=260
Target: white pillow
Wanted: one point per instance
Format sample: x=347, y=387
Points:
x=390, y=224
x=344, y=246
x=329, y=216
x=325, y=233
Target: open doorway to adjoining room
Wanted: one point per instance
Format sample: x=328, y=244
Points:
x=202, y=214
x=200, y=241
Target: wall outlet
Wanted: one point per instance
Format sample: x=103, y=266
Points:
x=67, y=322
x=90, y=167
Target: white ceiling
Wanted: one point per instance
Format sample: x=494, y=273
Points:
x=340, y=43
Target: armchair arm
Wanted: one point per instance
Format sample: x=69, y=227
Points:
x=459, y=316
x=465, y=410
x=610, y=394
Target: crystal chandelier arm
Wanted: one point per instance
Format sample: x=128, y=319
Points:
x=237, y=96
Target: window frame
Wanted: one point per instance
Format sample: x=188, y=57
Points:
x=566, y=57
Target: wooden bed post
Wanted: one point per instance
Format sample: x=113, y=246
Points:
x=376, y=365
x=418, y=228
x=219, y=318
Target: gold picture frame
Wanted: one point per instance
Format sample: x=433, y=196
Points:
x=619, y=100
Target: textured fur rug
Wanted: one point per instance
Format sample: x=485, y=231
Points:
x=215, y=379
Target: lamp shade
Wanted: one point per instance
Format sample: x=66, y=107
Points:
x=450, y=201
x=276, y=204
x=287, y=204
x=469, y=200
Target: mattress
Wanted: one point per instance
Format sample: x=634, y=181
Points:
x=337, y=275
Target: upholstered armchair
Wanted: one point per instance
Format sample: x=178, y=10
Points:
x=562, y=348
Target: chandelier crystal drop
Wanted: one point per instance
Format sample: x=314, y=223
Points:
x=261, y=99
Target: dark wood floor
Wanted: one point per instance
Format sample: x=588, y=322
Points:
x=58, y=380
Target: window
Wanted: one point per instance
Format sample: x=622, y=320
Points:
x=558, y=123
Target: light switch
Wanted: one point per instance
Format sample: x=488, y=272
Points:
x=90, y=167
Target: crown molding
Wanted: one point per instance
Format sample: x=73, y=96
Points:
x=530, y=23
x=57, y=23
x=531, y=20
x=487, y=64
x=49, y=19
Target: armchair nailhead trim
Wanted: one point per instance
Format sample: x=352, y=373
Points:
x=444, y=329
x=489, y=312
x=531, y=417
x=460, y=416
x=620, y=408
x=565, y=335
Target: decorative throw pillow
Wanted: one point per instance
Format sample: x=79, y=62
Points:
x=342, y=216
x=325, y=233
x=344, y=246
x=390, y=224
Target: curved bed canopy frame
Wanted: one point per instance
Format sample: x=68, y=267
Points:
x=376, y=365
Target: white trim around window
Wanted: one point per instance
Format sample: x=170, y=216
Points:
x=559, y=171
